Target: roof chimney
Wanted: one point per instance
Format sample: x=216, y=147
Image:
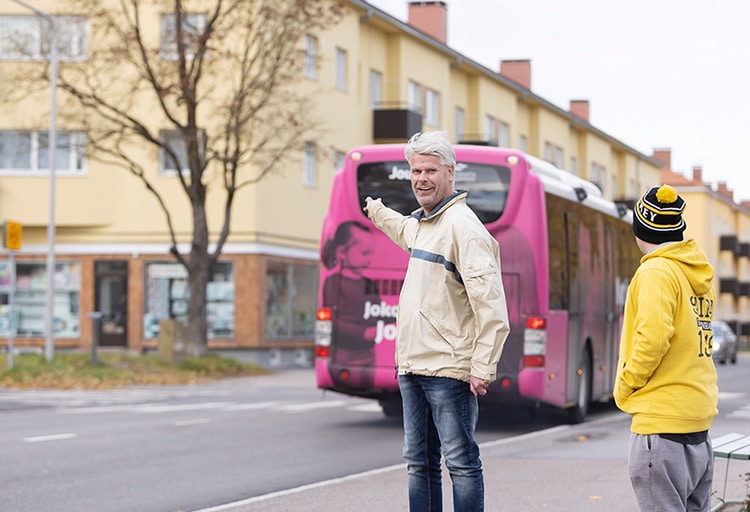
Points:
x=664, y=155
x=517, y=70
x=430, y=18
x=580, y=108
x=721, y=188
x=698, y=175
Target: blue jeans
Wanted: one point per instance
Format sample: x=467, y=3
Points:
x=441, y=412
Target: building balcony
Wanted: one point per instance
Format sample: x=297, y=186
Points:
x=729, y=243
x=729, y=285
x=395, y=124
x=477, y=139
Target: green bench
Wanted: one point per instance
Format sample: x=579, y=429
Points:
x=730, y=446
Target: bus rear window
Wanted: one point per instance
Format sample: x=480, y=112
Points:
x=487, y=186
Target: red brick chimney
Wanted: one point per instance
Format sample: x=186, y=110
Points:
x=721, y=188
x=580, y=108
x=430, y=18
x=664, y=155
x=698, y=175
x=517, y=70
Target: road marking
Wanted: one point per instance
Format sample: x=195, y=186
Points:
x=53, y=437
x=189, y=423
x=371, y=407
x=726, y=395
x=294, y=408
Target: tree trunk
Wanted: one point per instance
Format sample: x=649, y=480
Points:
x=199, y=274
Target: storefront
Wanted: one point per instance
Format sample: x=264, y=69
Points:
x=253, y=301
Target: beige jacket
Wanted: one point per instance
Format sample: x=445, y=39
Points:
x=452, y=317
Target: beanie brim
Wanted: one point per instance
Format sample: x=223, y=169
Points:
x=655, y=237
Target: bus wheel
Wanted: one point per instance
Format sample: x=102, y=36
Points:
x=577, y=413
x=392, y=407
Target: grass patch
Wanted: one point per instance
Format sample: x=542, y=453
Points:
x=75, y=371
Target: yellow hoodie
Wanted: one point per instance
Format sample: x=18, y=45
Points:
x=666, y=377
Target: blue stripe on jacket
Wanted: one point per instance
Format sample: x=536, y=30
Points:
x=439, y=259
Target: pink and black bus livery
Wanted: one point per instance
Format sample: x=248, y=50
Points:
x=567, y=257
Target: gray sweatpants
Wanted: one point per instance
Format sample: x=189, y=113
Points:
x=668, y=476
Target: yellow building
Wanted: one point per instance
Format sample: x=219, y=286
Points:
x=722, y=228
x=376, y=79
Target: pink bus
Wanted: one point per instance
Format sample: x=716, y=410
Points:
x=567, y=258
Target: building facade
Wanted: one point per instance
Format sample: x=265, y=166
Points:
x=376, y=79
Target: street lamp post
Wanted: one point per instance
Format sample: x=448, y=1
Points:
x=49, y=344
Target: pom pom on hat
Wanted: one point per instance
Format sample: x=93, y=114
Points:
x=657, y=216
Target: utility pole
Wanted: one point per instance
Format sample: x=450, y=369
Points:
x=49, y=344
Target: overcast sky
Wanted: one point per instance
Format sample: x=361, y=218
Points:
x=657, y=73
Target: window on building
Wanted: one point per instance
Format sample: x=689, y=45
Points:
x=27, y=152
x=432, y=107
x=415, y=99
x=176, y=143
x=376, y=88
x=599, y=176
x=523, y=143
x=30, y=297
x=496, y=132
x=503, y=134
x=166, y=297
x=573, y=165
x=553, y=154
x=309, y=156
x=311, y=57
x=192, y=28
x=291, y=297
x=29, y=38
x=459, y=123
x=338, y=160
x=341, y=72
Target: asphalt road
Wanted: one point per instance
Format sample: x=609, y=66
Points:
x=167, y=449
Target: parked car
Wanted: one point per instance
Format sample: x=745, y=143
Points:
x=725, y=342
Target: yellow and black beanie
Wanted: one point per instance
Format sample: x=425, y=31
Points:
x=657, y=216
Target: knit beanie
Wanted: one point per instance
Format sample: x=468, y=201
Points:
x=657, y=216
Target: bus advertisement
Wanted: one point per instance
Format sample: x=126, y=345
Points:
x=567, y=256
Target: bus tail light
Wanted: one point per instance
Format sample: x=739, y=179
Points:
x=323, y=329
x=534, y=342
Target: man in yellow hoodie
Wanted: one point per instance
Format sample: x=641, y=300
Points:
x=666, y=377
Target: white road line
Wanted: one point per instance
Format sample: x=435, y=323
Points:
x=727, y=395
x=188, y=423
x=53, y=437
x=294, y=408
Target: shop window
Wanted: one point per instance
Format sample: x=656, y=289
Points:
x=291, y=296
x=167, y=294
x=30, y=297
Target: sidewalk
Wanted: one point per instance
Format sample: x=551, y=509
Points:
x=569, y=468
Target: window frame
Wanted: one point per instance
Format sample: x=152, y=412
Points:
x=38, y=149
x=309, y=164
x=310, y=66
x=341, y=69
x=194, y=25
x=72, y=38
x=376, y=88
x=168, y=172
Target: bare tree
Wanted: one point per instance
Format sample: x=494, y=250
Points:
x=221, y=76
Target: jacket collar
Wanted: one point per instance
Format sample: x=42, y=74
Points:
x=441, y=207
